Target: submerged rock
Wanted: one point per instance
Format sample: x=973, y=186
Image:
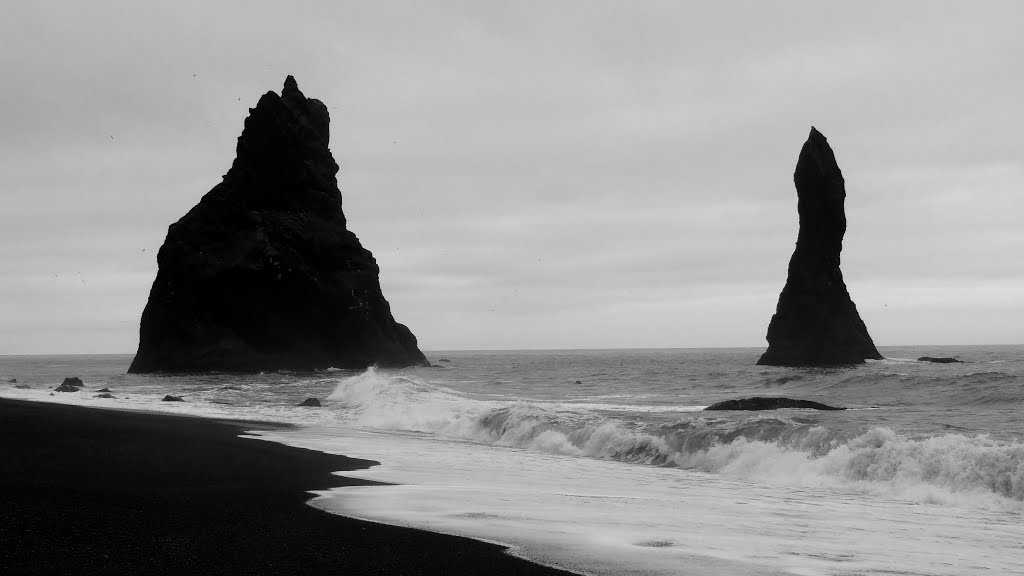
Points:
x=13, y=380
x=263, y=274
x=762, y=403
x=312, y=402
x=105, y=395
x=104, y=390
x=170, y=398
x=66, y=388
x=23, y=387
x=816, y=323
x=939, y=360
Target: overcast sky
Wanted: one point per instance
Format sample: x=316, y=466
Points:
x=531, y=174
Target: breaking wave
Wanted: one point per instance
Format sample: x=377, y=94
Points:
x=953, y=469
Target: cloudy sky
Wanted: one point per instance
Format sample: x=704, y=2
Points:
x=531, y=174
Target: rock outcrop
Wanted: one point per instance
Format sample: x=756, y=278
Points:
x=943, y=360
x=72, y=384
x=816, y=323
x=310, y=403
x=263, y=274
x=762, y=403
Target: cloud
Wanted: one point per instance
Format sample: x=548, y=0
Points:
x=529, y=174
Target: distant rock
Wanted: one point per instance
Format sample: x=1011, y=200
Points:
x=13, y=381
x=940, y=360
x=104, y=390
x=762, y=403
x=73, y=384
x=170, y=398
x=443, y=360
x=232, y=387
x=23, y=387
x=579, y=382
x=263, y=274
x=105, y=395
x=816, y=323
x=312, y=402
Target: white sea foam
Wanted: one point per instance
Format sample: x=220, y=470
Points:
x=953, y=469
x=605, y=517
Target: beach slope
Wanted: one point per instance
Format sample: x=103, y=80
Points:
x=90, y=491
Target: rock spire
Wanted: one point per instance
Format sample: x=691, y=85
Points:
x=816, y=323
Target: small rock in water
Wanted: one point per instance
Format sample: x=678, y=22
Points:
x=578, y=382
x=13, y=380
x=170, y=398
x=762, y=403
x=23, y=386
x=105, y=395
x=65, y=387
x=104, y=390
x=939, y=360
x=313, y=402
x=232, y=387
x=73, y=381
x=443, y=360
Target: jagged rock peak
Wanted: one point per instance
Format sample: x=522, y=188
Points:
x=263, y=274
x=282, y=157
x=816, y=322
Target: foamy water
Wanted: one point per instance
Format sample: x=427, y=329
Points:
x=603, y=461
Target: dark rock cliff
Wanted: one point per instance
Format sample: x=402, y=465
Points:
x=263, y=273
x=816, y=323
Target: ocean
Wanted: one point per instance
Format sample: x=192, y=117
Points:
x=603, y=462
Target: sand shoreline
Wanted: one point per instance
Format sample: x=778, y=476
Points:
x=90, y=490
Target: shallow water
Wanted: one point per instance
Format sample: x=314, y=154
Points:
x=602, y=460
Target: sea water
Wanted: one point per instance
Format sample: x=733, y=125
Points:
x=603, y=462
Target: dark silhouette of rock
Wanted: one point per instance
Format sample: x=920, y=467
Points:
x=170, y=398
x=232, y=387
x=762, y=403
x=23, y=387
x=940, y=360
x=816, y=323
x=13, y=380
x=444, y=360
x=105, y=395
x=73, y=381
x=65, y=387
x=263, y=274
x=313, y=402
x=104, y=390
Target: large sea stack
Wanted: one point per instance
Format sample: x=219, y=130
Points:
x=263, y=273
x=816, y=323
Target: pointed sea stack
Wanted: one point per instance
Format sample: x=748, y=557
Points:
x=263, y=273
x=816, y=323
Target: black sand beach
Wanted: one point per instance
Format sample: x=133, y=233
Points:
x=90, y=491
